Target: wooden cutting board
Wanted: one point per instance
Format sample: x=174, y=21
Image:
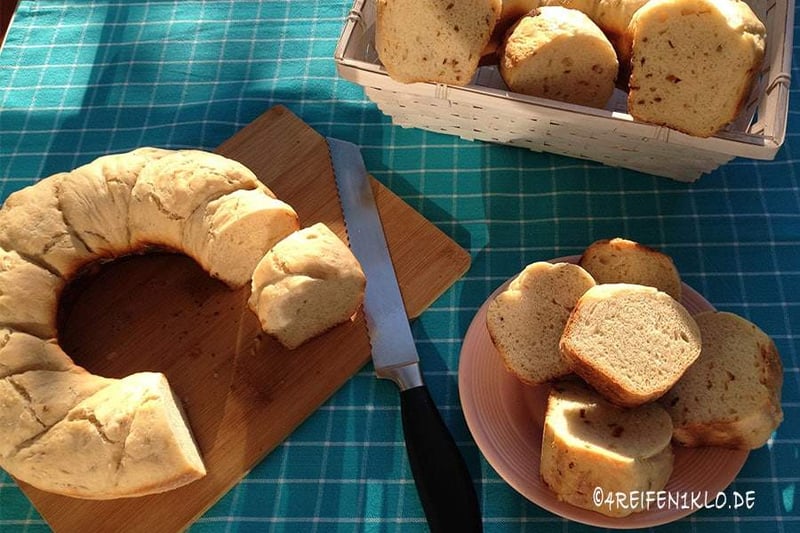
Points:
x=243, y=393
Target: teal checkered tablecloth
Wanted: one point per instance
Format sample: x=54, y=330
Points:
x=83, y=78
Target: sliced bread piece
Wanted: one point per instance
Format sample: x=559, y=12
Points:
x=589, y=443
x=128, y=439
x=525, y=321
x=28, y=296
x=437, y=41
x=630, y=342
x=624, y=261
x=169, y=189
x=32, y=224
x=693, y=63
x=731, y=396
x=230, y=235
x=559, y=53
x=305, y=285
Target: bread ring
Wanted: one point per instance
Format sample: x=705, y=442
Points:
x=67, y=431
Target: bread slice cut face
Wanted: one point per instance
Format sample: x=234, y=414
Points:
x=630, y=342
x=731, y=396
x=525, y=321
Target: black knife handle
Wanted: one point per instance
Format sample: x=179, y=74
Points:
x=443, y=482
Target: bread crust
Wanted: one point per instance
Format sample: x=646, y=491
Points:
x=693, y=63
x=559, y=53
x=32, y=225
x=28, y=295
x=308, y=283
x=526, y=320
x=437, y=41
x=95, y=199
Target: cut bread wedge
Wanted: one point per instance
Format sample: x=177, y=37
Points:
x=589, y=443
x=731, y=396
x=526, y=320
x=630, y=342
x=128, y=439
x=305, y=285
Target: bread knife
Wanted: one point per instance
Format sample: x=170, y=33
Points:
x=440, y=474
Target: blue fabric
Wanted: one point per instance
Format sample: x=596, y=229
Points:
x=81, y=79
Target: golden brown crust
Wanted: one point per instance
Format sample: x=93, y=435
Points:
x=589, y=443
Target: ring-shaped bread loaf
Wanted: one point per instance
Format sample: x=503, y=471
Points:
x=67, y=431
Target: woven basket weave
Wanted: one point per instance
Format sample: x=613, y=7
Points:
x=486, y=110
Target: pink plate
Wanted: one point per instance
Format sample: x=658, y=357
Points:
x=506, y=417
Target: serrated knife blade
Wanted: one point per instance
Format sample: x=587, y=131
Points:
x=440, y=473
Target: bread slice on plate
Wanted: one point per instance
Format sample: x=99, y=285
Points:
x=589, y=444
x=433, y=41
x=731, y=396
x=630, y=342
x=693, y=63
x=624, y=261
x=525, y=321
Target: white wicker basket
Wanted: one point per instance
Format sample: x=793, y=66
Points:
x=487, y=111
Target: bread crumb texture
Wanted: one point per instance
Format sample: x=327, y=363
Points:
x=436, y=41
x=561, y=54
x=693, y=62
x=526, y=320
x=731, y=396
x=630, y=342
